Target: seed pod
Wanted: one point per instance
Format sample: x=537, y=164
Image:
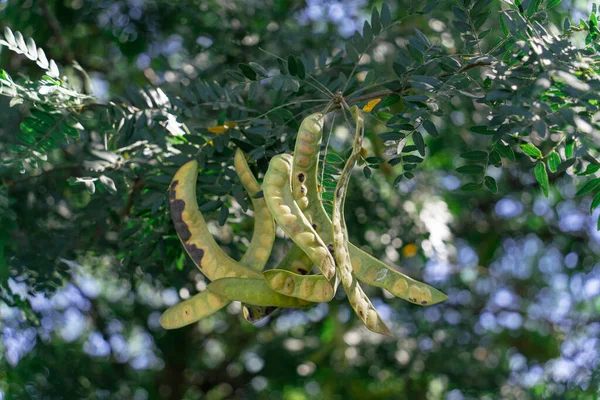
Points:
x=193, y=231
x=280, y=201
x=373, y=272
x=254, y=291
x=358, y=299
x=366, y=268
x=315, y=288
x=192, y=310
x=263, y=237
x=202, y=249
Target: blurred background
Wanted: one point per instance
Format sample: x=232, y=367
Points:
x=79, y=311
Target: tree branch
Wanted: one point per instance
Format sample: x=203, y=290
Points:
x=56, y=30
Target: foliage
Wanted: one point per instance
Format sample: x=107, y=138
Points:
x=504, y=93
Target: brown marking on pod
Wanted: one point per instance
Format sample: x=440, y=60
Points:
x=301, y=177
x=177, y=208
x=289, y=285
x=339, y=192
x=314, y=226
x=302, y=271
x=195, y=253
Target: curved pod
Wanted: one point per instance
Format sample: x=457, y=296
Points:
x=359, y=301
x=288, y=215
x=204, y=252
x=263, y=236
x=192, y=310
x=366, y=268
x=254, y=291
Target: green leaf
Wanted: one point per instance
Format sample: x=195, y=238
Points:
x=553, y=3
x=495, y=158
x=390, y=100
x=569, y=148
x=223, y=214
x=595, y=202
x=533, y=7
x=553, y=161
x=470, y=169
x=588, y=187
x=398, y=180
x=503, y=27
x=367, y=32
x=414, y=53
x=482, y=130
x=507, y=152
x=391, y=135
x=430, y=128
x=563, y=166
x=386, y=16
x=531, y=150
x=418, y=139
x=367, y=172
x=333, y=158
x=542, y=177
x=248, y=71
x=351, y=52
x=591, y=169
x=468, y=187
x=475, y=155
x=108, y=183
x=259, y=69
x=291, y=64
x=374, y=160
x=300, y=67
x=375, y=22
x=490, y=184
x=412, y=159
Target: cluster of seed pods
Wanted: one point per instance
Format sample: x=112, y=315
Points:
x=293, y=200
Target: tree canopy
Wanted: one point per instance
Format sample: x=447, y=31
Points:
x=478, y=175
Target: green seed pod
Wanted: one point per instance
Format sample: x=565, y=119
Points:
x=202, y=249
x=359, y=301
x=254, y=291
x=315, y=288
x=367, y=269
x=263, y=237
x=192, y=310
x=193, y=231
x=288, y=215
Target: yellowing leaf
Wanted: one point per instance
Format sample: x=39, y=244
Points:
x=410, y=250
x=231, y=124
x=363, y=152
x=217, y=129
x=371, y=105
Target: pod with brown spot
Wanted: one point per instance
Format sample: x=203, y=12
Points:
x=290, y=218
x=192, y=310
x=202, y=249
x=359, y=301
x=305, y=187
